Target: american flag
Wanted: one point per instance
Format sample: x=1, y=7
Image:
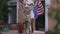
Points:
x=38, y=9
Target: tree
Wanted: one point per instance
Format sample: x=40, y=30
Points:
x=4, y=11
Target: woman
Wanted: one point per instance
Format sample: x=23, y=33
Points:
x=37, y=11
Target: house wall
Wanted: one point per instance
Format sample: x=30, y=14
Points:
x=55, y=4
x=20, y=19
x=52, y=22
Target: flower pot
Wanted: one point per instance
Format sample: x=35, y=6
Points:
x=20, y=30
x=5, y=29
x=49, y=33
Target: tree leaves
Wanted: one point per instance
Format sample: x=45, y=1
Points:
x=3, y=10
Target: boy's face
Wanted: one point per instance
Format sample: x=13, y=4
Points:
x=28, y=4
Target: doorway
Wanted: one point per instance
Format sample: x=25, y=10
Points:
x=40, y=21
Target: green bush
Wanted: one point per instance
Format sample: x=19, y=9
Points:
x=4, y=11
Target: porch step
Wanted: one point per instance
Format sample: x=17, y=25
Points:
x=38, y=32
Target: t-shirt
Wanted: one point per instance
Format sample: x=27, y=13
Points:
x=32, y=14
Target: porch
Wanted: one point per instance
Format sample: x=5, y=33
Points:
x=16, y=32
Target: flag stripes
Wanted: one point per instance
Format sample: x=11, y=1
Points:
x=40, y=8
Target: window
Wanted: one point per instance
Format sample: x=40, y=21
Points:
x=13, y=13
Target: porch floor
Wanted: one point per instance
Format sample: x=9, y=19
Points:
x=16, y=32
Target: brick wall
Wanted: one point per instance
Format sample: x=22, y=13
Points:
x=52, y=22
x=20, y=15
x=20, y=18
x=55, y=4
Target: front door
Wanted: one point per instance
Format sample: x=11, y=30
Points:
x=40, y=21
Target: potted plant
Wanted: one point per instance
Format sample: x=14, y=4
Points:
x=49, y=32
x=20, y=27
x=5, y=28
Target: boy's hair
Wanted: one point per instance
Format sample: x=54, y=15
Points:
x=21, y=1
